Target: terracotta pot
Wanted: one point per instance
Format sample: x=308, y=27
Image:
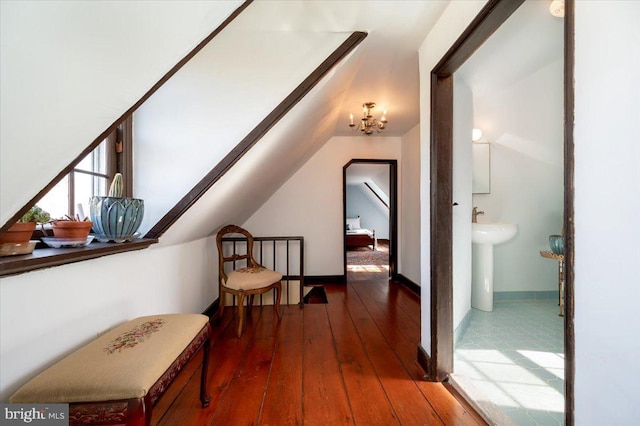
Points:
x=71, y=229
x=19, y=233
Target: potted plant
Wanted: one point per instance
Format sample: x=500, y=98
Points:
x=116, y=218
x=72, y=228
x=21, y=231
x=16, y=240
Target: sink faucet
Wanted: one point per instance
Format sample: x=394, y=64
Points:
x=474, y=215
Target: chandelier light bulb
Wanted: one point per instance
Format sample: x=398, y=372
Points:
x=368, y=124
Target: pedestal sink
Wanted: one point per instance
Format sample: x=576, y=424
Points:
x=484, y=237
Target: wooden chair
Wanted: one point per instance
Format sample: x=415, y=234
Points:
x=248, y=281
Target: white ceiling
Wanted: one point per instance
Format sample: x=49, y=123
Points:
x=387, y=71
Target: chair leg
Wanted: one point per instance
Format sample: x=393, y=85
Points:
x=276, y=305
x=240, y=313
x=250, y=304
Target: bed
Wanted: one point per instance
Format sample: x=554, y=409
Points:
x=357, y=236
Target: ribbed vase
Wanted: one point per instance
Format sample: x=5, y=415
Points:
x=116, y=218
x=556, y=243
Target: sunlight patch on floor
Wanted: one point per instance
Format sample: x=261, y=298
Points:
x=506, y=383
x=368, y=268
x=511, y=362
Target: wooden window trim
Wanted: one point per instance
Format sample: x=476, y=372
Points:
x=48, y=257
x=255, y=135
x=45, y=258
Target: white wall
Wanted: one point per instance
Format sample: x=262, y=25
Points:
x=524, y=123
x=409, y=193
x=462, y=179
x=451, y=24
x=70, y=69
x=310, y=202
x=46, y=314
x=607, y=208
x=213, y=102
x=371, y=216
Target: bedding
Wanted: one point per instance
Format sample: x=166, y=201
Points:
x=359, y=237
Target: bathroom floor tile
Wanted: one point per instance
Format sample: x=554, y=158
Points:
x=514, y=358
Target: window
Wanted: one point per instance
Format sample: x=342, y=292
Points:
x=92, y=176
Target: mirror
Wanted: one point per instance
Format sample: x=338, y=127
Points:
x=481, y=168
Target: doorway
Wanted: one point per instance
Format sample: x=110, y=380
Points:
x=439, y=363
x=370, y=217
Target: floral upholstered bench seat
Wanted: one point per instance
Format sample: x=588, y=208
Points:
x=118, y=378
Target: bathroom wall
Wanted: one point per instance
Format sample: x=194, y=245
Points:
x=524, y=123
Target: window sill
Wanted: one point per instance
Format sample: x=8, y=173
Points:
x=48, y=257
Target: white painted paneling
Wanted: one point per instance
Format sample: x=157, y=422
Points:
x=70, y=69
x=462, y=171
x=451, y=24
x=607, y=208
x=46, y=314
x=409, y=211
x=310, y=202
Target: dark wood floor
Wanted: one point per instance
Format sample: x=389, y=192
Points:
x=351, y=361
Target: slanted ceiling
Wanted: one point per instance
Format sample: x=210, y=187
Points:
x=95, y=71
x=69, y=69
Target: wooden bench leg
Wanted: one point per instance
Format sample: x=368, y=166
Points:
x=139, y=412
x=204, y=396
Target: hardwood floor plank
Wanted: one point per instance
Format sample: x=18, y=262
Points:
x=385, y=312
x=225, y=358
x=283, y=399
x=166, y=401
x=406, y=399
x=398, y=330
x=368, y=400
x=242, y=402
x=325, y=399
x=387, y=303
x=351, y=361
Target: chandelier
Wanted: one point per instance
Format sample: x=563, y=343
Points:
x=367, y=123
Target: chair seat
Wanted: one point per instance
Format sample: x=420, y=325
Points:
x=252, y=278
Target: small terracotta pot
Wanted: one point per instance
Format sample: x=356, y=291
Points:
x=19, y=233
x=71, y=229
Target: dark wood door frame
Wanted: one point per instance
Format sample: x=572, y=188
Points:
x=393, y=211
x=439, y=364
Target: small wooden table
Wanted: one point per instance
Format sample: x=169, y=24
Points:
x=560, y=259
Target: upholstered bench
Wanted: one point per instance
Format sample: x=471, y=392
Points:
x=118, y=378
